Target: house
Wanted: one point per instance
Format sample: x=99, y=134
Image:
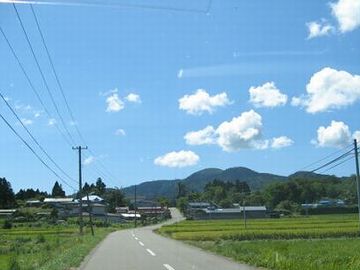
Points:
x=93, y=199
x=195, y=211
x=57, y=201
x=122, y=209
x=7, y=212
x=33, y=203
x=152, y=211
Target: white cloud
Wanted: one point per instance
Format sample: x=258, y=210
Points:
x=135, y=98
x=51, y=122
x=203, y=136
x=120, y=132
x=180, y=73
x=329, y=89
x=267, y=95
x=108, y=93
x=319, y=29
x=89, y=160
x=347, y=13
x=201, y=101
x=177, y=159
x=114, y=103
x=242, y=132
x=356, y=136
x=336, y=135
x=26, y=121
x=281, y=142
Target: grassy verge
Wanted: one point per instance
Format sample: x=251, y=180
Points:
x=54, y=248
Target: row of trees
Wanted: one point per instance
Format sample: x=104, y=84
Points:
x=280, y=195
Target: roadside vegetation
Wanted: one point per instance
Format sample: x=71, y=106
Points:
x=33, y=246
x=315, y=242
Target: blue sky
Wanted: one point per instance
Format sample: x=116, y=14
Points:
x=279, y=80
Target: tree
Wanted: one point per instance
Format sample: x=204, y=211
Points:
x=57, y=190
x=163, y=201
x=114, y=198
x=7, y=196
x=181, y=204
x=181, y=190
x=100, y=187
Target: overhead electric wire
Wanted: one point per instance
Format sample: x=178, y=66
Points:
x=34, y=152
x=333, y=161
x=338, y=164
x=34, y=139
x=326, y=157
x=107, y=172
x=32, y=86
x=43, y=76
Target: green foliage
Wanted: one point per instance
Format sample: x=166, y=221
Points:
x=7, y=196
x=13, y=264
x=181, y=204
x=7, y=224
x=57, y=190
x=26, y=194
x=114, y=198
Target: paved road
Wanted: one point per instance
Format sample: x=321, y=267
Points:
x=142, y=249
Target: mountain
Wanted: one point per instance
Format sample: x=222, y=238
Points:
x=198, y=180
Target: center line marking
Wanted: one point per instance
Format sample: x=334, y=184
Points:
x=136, y=238
x=152, y=253
x=168, y=267
x=141, y=243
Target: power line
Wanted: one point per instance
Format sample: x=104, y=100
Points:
x=338, y=164
x=108, y=173
x=34, y=152
x=326, y=157
x=43, y=76
x=34, y=139
x=333, y=161
x=115, y=5
x=32, y=86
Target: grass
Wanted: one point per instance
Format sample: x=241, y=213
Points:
x=54, y=247
x=327, y=242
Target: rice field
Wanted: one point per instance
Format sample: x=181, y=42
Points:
x=313, y=243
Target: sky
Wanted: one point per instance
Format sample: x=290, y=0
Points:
x=161, y=89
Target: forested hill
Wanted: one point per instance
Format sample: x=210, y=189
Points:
x=198, y=180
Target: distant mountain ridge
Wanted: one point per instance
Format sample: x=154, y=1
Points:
x=198, y=180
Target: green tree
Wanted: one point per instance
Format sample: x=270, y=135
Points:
x=114, y=198
x=181, y=204
x=100, y=187
x=7, y=196
x=57, y=190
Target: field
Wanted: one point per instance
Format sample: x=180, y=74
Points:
x=55, y=247
x=319, y=242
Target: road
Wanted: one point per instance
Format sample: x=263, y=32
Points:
x=142, y=249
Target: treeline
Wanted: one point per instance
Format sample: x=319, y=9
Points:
x=286, y=196
x=8, y=199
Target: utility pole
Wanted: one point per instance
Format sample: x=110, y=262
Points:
x=90, y=214
x=135, y=219
x=79, y=148
x=357, y=175
x=244, y=212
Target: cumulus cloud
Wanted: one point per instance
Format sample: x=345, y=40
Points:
x=203, y=136
x=201, y=101
x=329, y=89
x=120, y=132
x=177, y=159
x=242, y=132
x=281, y=142
x=267, y=95
x=26, y=121
x=337, y=134
x=114, y=103
x=347, y=13
x=51, y=121
x=356, y=136
x=89, y=160
x=318, y=29
x=135, y=98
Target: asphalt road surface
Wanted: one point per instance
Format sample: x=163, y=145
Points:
x=142, y=249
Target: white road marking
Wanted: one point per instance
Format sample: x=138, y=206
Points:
x=168, y=267
x=152, y=253
x=141, y=243
x=136, y=238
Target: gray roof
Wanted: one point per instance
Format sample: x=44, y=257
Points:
x=235, y=210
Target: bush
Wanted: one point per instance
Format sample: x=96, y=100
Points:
x=330, y=210
x=7, y=224
x=40, y=239
x=13, y=264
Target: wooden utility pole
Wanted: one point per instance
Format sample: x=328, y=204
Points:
x=244, y=212
x=79, y=148
x=357, y=175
